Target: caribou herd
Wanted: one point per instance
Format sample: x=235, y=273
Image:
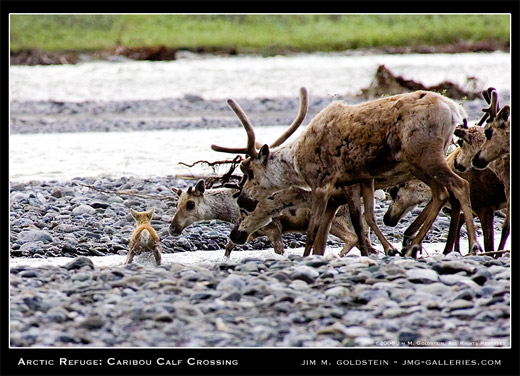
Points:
x=317, y=183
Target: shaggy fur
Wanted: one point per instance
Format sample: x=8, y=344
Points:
x=346, y=147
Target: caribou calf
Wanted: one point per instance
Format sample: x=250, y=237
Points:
x=198, y=204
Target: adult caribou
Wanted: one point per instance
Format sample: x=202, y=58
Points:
x=489, y=147
x=345, y=148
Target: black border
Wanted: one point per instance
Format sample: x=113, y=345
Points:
x=270, y=361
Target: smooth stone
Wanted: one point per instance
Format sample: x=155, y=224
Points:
x=231, y=282
x=422, y=275
x=436, y=288
x=83, y=209
x=305, y=273
x=337, y=291
x=92, y=322
x=35, y=236
x=459, y=304
x=79, y=262
x=299, y=284
x=115, y=199
x=453, y=267
x=391, y=313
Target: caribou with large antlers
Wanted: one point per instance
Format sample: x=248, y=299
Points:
x=346, y=147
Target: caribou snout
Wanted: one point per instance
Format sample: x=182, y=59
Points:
x=390, y=220
x=237, y=236
x=246, y=203
x=174, y=230
x=458, y=166
x=478, y=161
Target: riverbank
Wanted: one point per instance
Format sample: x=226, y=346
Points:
x=56, y=39
x=188, y=112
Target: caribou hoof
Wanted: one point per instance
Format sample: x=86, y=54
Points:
x=279, y=251
x=407, y=240
x=392, y=252
x=475, y=249
x=411, y=251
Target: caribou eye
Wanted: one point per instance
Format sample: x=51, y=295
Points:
x=250, y=174
x=190, y=205
x=489, y=133
x=460, y=142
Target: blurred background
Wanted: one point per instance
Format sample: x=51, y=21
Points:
x=260, y=34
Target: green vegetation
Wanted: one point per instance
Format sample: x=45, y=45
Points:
x=266, y=34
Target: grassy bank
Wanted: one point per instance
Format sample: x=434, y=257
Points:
x=264, y=34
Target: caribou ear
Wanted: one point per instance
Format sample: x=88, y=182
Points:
x=199, y=188
x=461, y=133
x=504, y=113
x=263, y=154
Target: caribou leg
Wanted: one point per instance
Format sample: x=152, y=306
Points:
x=455, y=224
x=367, y=190
x=505, y=231
x=318, y=206
x=439, y=197
x=486, y=217
x=352, y=193
x=320, y=242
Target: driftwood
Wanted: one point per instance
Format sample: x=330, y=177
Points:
x=154, y=53
x=386, y=83
x=37, y=57
x=493, y=253
x=213, y=179
x=127, y=193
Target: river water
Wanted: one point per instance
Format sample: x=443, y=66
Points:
x=157, y=153
x=249, y=76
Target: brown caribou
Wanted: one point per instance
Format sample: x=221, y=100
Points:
x=488, y=147
x=292, y=215
x=345, y=148
x=486, y=193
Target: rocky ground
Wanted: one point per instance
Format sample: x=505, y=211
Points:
x=290, y=301
x=313, y=301
x=294, y=301
x=189, y=112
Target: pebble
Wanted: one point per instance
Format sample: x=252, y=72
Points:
x=228, y=305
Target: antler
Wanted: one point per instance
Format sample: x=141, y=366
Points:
x=252, y=145
x=304, y=104
x=491, y=97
